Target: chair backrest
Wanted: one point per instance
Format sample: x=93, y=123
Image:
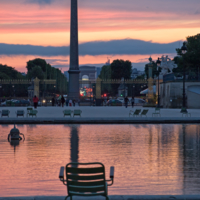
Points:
x=28, y=109
x=33, y=112
x=144, y=112
x=77, y=112
x=184, y=110
x=5, y=112
x=157, y=110
x=20, y=112
x=137, y=111
x=67, y=112
x=85, y=178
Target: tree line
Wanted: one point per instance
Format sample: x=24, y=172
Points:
x=191, y=60
x=35, y=68
x=116, y=70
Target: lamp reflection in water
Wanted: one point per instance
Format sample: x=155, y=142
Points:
x=74, y=139
x=184, y=156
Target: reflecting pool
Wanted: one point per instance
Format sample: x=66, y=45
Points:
x=148, y=159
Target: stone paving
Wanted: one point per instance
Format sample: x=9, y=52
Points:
x=94, y=114
x=102, y=112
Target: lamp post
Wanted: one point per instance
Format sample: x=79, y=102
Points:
x=150, y=81
x=0, y=90
x=158, y=63
x=93, y=94
x=183, y=52
x=124, y=88
x=133, y=93
x=13, y=90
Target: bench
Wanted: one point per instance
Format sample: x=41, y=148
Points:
x=144, y=112
x=134, y=113
x=86, y=179
x=77, y=112
x=67, y=112
x=157, y=112
x=5, y=113
x=33, y=113
x=20, y=113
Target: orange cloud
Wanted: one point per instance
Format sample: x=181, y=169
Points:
x=50, y=24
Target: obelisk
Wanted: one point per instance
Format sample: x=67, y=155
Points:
x=74, y=55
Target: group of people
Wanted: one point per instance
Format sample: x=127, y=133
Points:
x=68, y=102
x=126, y=100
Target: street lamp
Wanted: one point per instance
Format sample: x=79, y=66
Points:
x=93, y=93
x=158, y=63
x=183, y=51
x=133, y=93
x=150, y=81
x=13, y=90
x=0, y=89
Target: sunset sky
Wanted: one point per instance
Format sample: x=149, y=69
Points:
x=115, y=29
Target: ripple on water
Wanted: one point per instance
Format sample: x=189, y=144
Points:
x=148, y=159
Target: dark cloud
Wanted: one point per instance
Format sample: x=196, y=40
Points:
x=40, y=1
x=115, y=47
x=127, y=46
x=11, y=49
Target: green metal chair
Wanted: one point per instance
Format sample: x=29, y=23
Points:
x=67, y=112
x=77, y=112
x=157, y=112
x=33, y=113
x=28, y=111
x=135, y=113
x=185, y=112
x=86, y=179
x=20, y=113
x=5, y=113
x=144, y=112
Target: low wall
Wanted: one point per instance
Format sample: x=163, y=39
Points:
x=112, y=197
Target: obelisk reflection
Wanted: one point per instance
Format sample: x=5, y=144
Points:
x=74, y=144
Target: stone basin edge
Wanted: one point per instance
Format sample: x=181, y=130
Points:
x=164, y=120
x=111, y=197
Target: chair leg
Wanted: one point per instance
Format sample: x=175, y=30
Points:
x=107, y=198
x=67, y=197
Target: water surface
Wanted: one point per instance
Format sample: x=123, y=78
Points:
x=148, y=159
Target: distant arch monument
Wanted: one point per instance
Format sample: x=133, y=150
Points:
x=89, y=71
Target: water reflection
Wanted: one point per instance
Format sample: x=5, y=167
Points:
x=191, y=157
x=14, y=143
x=14, y=137
x=184, y=156
x=148, y=159
x=74, y=139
